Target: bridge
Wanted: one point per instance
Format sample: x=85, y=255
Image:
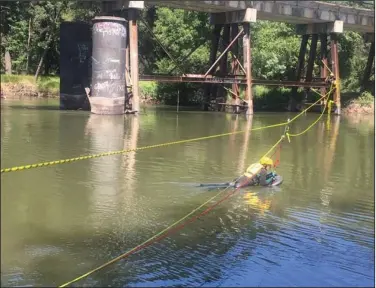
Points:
x=315, y=21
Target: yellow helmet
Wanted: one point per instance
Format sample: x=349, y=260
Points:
x=266, y=161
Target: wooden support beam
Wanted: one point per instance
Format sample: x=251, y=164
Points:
x=248, y=67
x=311, y=63
x=234, y=64
x=324, y=61
x=133, y=47
x=312, y=57
x=223, y=62
x=216, y=34
x=299, y=69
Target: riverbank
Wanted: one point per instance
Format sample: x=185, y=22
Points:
x=25, y=86
x=265, y=98
x=364, y=104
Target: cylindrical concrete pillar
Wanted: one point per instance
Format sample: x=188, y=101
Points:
x=75, y=55
x=108, y=86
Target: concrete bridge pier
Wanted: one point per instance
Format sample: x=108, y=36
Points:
x=128, y=11
x=315, y=32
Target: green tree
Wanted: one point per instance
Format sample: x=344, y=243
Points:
x=275, y=50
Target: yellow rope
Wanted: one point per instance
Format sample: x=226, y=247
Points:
x=44, y=164
x=309, y=107
x=330, y=107
x=326, y=66
x=159, y=233
x=312, y=124
x=275, y=145
x=143, y=243
x=64, y=161
x=189, y=214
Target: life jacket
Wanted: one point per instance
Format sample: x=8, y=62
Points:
x=253, y=170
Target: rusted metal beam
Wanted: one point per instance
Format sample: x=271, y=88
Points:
x=194, y=79
x=162, y=46
x=239, y=64
x=248, y=67
x=311, y=63
x=224, y=52
x=314, y=84
x=302, y=52
x=234, y=62
x=216, y=34
x=229, y=79
x=312, y=57
x=335, y=70
x=180, y=61
x=223, y=61
x=324, y=60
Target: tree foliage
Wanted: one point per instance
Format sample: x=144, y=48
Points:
x=276, y=50
x=30, y=33
x=29, y=29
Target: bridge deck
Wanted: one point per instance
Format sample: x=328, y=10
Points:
x=294, y=12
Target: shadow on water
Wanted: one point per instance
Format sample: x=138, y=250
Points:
x=37, y=107
x=31, y=104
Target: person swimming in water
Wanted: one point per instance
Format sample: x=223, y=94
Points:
x=257, y=172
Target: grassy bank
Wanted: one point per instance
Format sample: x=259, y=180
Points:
x=15, y=86
x=25, y=86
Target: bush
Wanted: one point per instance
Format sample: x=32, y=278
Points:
x=190, y=94
x=365, y=99
x=265, y=98
x=148, y=89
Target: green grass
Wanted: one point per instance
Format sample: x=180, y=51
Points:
x=51, y=84
x=264, y=97
x=44, y=84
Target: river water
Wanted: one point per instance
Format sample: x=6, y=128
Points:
x=59, y=222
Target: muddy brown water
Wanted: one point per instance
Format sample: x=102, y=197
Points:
x=58, y=222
